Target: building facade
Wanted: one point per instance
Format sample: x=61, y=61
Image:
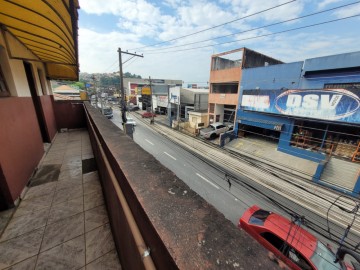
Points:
x=133, y=88
x=35, y=46
x=225, y=74
x=312, y=109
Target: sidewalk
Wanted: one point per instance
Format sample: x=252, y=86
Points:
x=266, y=152
x=61, y=221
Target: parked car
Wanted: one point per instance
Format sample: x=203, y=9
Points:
x=288, y=241
x=130, y=121
x=108, y=112
x=148, y=115
x=213, y=130
x=133, y=108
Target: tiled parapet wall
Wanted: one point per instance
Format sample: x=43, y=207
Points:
x=180, y=228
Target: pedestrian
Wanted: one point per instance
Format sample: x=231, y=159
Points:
x=228, y=180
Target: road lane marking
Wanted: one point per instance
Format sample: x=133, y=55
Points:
x=211, y=183
x=149, y=142
x=170, y=155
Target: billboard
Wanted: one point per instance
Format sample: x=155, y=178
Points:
x=146, y=91
x=174, y=94
x=162, y=101
x=326, y=104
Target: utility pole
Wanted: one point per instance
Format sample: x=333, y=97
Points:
x=123, y=100
x=152, y=105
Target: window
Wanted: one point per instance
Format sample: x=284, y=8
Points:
x=4, y=91
x=277, y=242
x=220, y=126
x=211, y=107
x=259, y=217
x=323, y=258
x=342, y=85
x=298, y=259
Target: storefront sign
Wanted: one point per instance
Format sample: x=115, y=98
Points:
x=174, y=94
x=162, y=101
x=327, y=104
x=146, y=91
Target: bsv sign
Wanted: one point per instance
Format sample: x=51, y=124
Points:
x=328, y=104
x=331, y=104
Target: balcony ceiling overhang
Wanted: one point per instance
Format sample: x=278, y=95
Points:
x=48, y=29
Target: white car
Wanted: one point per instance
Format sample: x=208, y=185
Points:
x=130, y=121
x=213, y=130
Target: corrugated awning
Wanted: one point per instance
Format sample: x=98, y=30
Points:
x=260, y=123
x=48, y=29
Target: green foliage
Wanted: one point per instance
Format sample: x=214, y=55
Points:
x=105, y=80
x=80, y=85
x=129, y=75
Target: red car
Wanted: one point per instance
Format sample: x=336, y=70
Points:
x=289, y=242
x=148, y=115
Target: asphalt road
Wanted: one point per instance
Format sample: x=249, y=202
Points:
x=210, y=183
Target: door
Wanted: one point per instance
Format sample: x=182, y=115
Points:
x=36, y=102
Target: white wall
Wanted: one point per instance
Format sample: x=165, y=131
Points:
x=14, y=71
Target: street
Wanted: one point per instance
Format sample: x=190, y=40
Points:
x=231, y=197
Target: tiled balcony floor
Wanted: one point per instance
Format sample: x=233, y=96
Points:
x=61, y=222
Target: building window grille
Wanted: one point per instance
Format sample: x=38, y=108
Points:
x=211, y=107
x=342, y=85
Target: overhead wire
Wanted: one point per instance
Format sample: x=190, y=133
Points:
x=261, y=36
x=257, y=28
x=217, y=168
x=216, y=26
x=290, y=213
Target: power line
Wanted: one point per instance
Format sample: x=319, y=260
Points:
x=260, y=36
x=257, y=28
x=250, y=187
x=216, y=26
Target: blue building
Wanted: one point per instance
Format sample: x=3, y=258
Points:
x=312, y=109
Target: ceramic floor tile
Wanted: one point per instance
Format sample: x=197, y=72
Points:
x=98, y=242
x=20, y=248
x=91, y=177
x=91, y=187
x=28, y=264
x=70, y=175
x=95, y=217
x=66, y=209
x=71, y=182
x=109, y=261
x=42, y=190
x=68, y=194
x=32, y=205
x=73, y=169
x=87, y=155
x=69, y=255
x=62, y=231
x=92, y=200
x=24, y=224
x=76, y=161
x=5, y=217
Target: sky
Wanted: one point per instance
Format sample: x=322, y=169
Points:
x=156, y=30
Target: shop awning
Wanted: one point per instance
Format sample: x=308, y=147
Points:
x=48, y=29
x=260, y=123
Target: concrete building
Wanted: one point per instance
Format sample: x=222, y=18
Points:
x=133, y=87
x=225, y=75
x=72, y=183
x=31, y=55
x=311, y=109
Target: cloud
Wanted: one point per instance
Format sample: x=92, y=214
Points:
x=348, y=11
x=141, y=23
x=325, y=3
